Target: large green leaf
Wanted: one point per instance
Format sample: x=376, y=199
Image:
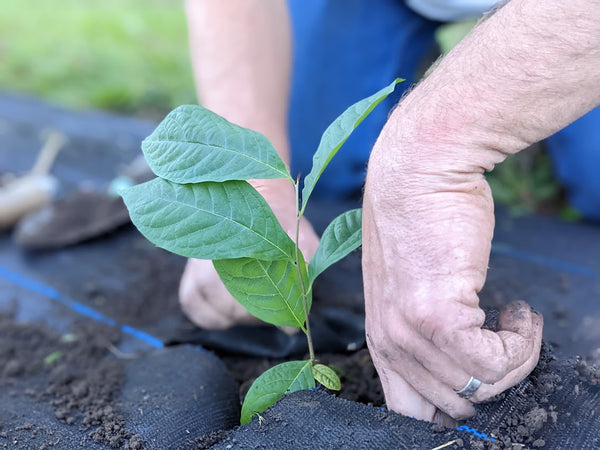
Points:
x=342, y=235
x=282, y=379
x=208, y=220
x=269, y=290
x=336, y=134
x=193, y=144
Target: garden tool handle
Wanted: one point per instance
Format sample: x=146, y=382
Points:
x=23, y=195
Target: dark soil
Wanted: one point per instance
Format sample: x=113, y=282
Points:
x=521, y=429
x=81, y=377
x=123, y=276
x=208, y=440
x=360, y=382
x=82, y=383
x=150, y=291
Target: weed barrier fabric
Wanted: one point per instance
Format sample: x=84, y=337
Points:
x=556, y=407
x=176, y=394
x=168, y=397
x=335, y=330
x=551, y=264
x=123, y=279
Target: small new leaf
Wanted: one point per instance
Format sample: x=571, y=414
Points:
x=342, y=236
x=327, y=377
x=269, y=290
x=208, y=220
x=282, y=379
x=337, y=133
x=193, y=145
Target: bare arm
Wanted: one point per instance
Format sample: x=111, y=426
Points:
x=241, y=54
x=521, y=75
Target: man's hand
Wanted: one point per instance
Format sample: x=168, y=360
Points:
x=202, y=295
x=522, y=74
x=425, y=253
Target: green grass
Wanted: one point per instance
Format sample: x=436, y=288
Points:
x=129, y=56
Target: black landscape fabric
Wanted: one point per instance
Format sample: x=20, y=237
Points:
x=555, y=407
x=137, y=356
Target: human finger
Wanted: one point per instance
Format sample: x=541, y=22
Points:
x=400, y=396
x=514, y=377
x=206, y=301
x=430, y=389
x=203, y=315
x=441, y=367
x=488, y=355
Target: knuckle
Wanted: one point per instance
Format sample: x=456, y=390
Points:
x=428, y=323
x=185, y=298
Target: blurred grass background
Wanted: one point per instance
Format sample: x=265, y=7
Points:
x=129, y=56
x=132, y=57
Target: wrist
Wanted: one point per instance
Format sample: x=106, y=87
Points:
x=427, y=200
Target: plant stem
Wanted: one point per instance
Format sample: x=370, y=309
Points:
x=311, y=350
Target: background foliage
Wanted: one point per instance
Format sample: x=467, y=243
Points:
x=132, y=57
x=127, y=56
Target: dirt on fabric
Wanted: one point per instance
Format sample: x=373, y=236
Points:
x=86, y=376
x=151, y=292
x=81, y=378
x=521, y=429
x=360, y=382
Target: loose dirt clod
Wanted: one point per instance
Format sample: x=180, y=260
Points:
x=82, y=381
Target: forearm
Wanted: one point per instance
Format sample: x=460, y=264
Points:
x=241, y=52
x=523, y=74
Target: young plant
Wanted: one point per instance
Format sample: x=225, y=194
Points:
x=200, y=206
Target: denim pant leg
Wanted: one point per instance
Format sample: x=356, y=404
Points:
x=575, y=151
x=346, y=50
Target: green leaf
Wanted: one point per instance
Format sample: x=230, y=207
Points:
x=327, y=377
x=208, y=220
x=282, y=379
x=336, y=134
x=269, y=290
x=342, y=236
x=193, y=144
x=52, y=357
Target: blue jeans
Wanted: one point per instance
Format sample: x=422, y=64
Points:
x=575, y=152
x=345, y=50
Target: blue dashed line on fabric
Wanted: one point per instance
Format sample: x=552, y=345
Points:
x=476, y=433
x=143, y=336
x=79, y=308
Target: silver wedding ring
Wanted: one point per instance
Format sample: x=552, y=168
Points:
x=470, y=388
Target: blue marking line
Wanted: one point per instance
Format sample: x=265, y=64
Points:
x=79, y=308
x=476, y=433
x=506, y=250
x=142, y=335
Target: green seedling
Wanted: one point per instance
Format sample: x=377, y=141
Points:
x=201, y=206
x=260, y=418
